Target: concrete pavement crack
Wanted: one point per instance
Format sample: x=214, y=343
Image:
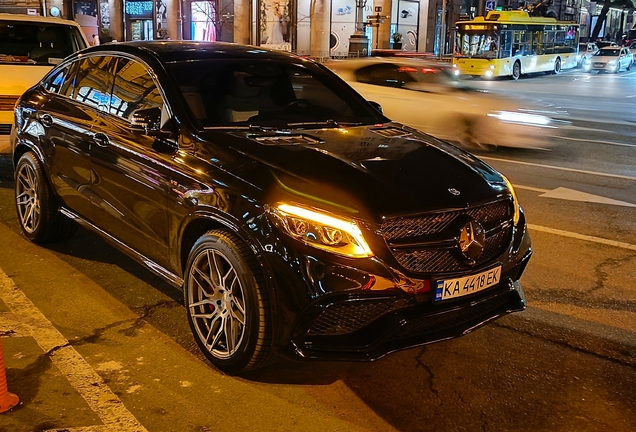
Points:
x=431, y=376
x=602, y=275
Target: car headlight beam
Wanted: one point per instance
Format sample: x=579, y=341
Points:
x=521, y=118
x=322, y=230
x=517, y=211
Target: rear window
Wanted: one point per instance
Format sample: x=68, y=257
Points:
x=37, y=43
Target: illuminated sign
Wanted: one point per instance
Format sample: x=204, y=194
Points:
x=139, y=7
x=476, y=27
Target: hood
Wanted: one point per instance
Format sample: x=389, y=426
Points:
x=367, y=172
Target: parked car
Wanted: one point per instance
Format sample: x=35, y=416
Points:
x=296, y=218
x=428, y=96
x=612, y=59
x=29, y=47
x=586, y=51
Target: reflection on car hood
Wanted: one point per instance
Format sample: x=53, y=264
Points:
x=387, y=170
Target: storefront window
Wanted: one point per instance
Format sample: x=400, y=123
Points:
x=203, y=18
x=275, y=24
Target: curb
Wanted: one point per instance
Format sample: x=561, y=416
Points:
x=589, y=337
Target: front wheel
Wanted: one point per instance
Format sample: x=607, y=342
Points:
x=557, y=66
x=516, y=71
x=227, y=303
x=38, y=215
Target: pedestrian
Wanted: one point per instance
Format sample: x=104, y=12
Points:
x=95, y=40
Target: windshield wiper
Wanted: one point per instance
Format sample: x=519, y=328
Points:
x=250, y=127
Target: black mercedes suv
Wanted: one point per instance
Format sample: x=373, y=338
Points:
x=295, y=217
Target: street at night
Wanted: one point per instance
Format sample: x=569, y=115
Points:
x=92, y=341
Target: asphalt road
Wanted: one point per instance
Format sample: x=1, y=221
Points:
x=93, y=342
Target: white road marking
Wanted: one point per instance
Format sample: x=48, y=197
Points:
x=593, y=141
x=583, y=237
x=574, y=195
x=80, y=374
x=626, y=177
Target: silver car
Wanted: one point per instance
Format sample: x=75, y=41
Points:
x=612, y=59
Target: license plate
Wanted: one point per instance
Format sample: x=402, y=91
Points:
x=453, y=288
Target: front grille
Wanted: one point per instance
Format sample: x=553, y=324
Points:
x=343, y=318
x=438, y=227
x=7, y=103
x=442, y=260
x=287, y=140
x=5, y=129
x=446, y=320
x=391, y=132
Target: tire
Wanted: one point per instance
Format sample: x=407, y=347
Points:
x=227, y=303
x=557, y=66
x=38, y=214
x=469, y=136
x=516, y=71
x=629, y=66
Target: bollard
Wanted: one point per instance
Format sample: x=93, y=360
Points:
x=7, y=400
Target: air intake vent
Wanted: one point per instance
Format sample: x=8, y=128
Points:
x=391, y=132
x=7, y=103
x=286, y=140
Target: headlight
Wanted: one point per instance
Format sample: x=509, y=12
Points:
x=520, y=117
x=612, y=62
x=517, y=211
x=322, y=230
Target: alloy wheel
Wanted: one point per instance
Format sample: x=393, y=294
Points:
x=27, y=198
x=217, y=303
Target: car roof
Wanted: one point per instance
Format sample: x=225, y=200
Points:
x=36, y=19
x=183, y=50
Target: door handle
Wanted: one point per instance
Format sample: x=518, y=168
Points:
x=101, y=139
x=46, y=120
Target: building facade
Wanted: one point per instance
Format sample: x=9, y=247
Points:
x=317, y=28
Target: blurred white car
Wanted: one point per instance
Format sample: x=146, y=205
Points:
x=428, y=96
x=612, y=59
x=29, y=47
x=586, y=51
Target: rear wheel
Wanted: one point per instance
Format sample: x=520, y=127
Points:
x=38, y=215
x=516, y=70
x=227, y=303
x=557, y=66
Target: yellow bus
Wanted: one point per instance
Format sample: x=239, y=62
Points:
x=512, y=43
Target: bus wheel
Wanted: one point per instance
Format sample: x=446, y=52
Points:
x=516, y=71
x=557, y=66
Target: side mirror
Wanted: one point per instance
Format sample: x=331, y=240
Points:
x=146, y=121
x=377, y=106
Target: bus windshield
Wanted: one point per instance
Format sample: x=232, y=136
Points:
x=471, y=43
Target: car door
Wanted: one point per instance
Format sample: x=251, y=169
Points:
x=132, y=170
x=67, y=114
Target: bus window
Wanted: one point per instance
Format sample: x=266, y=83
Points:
x=520, y=43
x=549, y=42
x=537, y=42
x=505, y=43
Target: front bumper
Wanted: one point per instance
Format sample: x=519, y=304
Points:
x=365, y=326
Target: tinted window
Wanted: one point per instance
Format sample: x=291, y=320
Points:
x=134, y=89
x=61, y=82
x=267, y=93
x=385, y=75
x=29, y=42
x=94, y=81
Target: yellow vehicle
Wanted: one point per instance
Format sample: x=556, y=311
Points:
x=512, y=43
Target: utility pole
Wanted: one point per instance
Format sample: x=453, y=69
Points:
x=442, y=31
x=358, y=41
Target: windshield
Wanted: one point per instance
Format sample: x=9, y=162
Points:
x=477, y=44
x=267, y=93
x=609, y=52
x=37, y=43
